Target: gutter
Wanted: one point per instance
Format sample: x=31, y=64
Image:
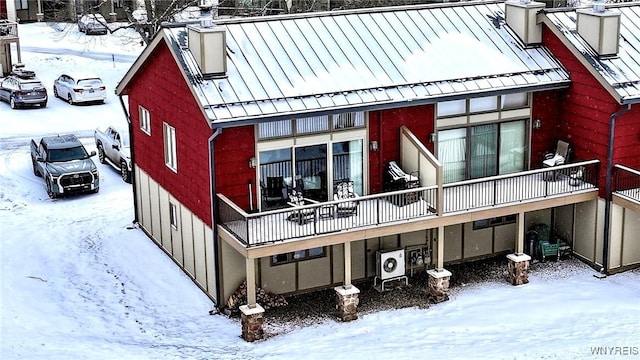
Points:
x=133, y=162
x=608, y=188
x=214, y=211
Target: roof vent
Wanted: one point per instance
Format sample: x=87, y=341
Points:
x=600, y=28
x=521, y=18
x=206, y=20
x=598, y=6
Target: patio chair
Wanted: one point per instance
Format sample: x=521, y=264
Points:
x=297, y=200
x=344, y=191
x=554, y=158
x=575, y=177
x=272, y=191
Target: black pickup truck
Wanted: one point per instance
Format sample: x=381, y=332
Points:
x=65, y=165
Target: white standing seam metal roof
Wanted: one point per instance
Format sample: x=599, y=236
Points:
x=620, y=73
x=319, y=63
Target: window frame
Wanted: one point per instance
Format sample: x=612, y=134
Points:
x=144, y=120
x=170, y=147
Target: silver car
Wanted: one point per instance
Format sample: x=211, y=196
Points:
x=77, y=88
x=21, y=88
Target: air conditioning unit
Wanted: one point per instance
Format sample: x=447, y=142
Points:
x=390, y=264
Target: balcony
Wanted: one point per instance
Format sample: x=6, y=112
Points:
x=412, y=209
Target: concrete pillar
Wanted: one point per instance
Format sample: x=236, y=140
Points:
x=438, y=285
x=347, y=300
x=518, y=268
x=252, y=319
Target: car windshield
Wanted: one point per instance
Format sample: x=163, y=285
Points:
x=74, y=153
x=30, y=86
x=90, y=82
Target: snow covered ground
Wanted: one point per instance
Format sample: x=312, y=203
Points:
x=77, y=283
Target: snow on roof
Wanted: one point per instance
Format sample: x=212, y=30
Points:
x=620, y=73
x=282, y=66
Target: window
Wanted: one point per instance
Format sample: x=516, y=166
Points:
x=297, y=256
x=22, y=4
x=497, y=221
x=482, y=150
x=118, y=4
x=170, y=155
x=145, y=121
x=311, y=125
x=173, y=215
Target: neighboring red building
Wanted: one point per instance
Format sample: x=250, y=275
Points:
x=227, y=119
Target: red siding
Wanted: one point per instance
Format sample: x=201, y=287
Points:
x=585, y=115
x=168, y=99
x=233, y=149
x=385, y=128
x=545, y=106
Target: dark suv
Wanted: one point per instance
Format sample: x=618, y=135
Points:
x=22, y=88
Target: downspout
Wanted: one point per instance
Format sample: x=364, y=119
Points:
x=214, y=211
x=131, y=154
x=608, y=188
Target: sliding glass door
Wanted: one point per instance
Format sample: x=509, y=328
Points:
x=483, y=150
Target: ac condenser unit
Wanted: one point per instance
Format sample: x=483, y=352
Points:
x=390, y=264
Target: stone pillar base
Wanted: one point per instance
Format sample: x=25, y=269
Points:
x=252, y=319
x=113, y=17
x=438, y=285
x=347, y=300
x=40, y=17
x=518, y=269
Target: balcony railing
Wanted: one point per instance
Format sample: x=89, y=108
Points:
x=8, y=29
x=400, y=206
x=627, y=182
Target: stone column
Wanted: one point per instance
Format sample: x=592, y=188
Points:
x=518, y=268
x=347, y=302
x=252, y=319
x=439, y=285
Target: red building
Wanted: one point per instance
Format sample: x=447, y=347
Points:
x=231, y=118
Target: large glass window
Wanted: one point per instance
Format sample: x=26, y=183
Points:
x=482, y=150
x=311, y=171
x=347, y=163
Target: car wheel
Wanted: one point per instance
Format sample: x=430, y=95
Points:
x=12, y=102
x=55, y=92
x=50, y=192
x=35, y=168
x=70, y=99
x=100, y=153
x=124, y=172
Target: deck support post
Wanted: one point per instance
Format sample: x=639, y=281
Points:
x=252, y=314
x=518, y=268
x=438, y=282
x=347, y=296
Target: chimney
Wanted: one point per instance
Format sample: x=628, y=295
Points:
x=207, y=43
x=521, y=18
x=600, y=28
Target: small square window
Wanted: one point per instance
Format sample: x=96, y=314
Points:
x=173, y=215
x=145, y=121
